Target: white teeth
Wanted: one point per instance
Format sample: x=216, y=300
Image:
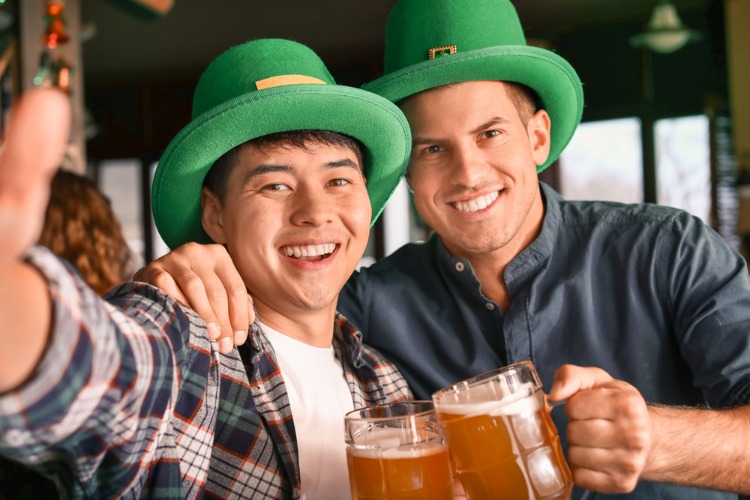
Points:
x=309, y=250
x=478, y=204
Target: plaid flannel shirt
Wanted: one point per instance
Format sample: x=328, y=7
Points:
x=130, y=400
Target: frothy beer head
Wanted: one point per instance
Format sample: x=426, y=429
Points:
x=394, y=443
x=402, y=453
x=492, y=408
x=502, y=440
x=489, y=399
x=397, y=451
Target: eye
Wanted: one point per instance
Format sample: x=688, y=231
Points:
x=433, y=149
x=275, y=187
x=339, y=182
x=491, y=133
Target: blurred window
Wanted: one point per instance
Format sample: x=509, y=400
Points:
x=120, y=181
x=604, y=161
x=683, y=164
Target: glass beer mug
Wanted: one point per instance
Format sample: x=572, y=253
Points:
x=502, y=440
x=397, y=451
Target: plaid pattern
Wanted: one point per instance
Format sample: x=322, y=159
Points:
x=130, y=400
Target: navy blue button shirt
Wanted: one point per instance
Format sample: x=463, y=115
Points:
x=648, y=293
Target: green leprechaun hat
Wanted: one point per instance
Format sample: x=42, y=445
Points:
x=430, y=43
x=263, y=87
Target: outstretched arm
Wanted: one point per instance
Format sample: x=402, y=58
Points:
x=616, y=439
x=32, y=152
x=204, y=277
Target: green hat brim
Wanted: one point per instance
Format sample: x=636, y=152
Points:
x=548, y=74
x=371, y=119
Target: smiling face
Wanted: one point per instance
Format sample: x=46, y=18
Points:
x=473, y=167
x=295, y=221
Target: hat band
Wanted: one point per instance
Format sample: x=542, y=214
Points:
x=441, y=51
x=277, y=81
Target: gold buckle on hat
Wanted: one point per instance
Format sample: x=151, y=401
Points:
x=441, y=51
x=276, y=81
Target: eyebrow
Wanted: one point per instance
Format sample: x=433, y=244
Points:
x=497, y=120
x=494, y=121
x=265, y=169
x=271, y=168
x=344, y=162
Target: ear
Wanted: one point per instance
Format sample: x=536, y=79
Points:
x=539, y=135
x=211, y=216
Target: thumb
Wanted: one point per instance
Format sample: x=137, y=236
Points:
x=37, y=136
x=570, y=379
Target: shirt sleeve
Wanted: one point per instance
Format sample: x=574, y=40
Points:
x=101, y=398
x=708, y=286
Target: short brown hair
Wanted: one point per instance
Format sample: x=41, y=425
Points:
x=217, y=177
x=525, y=100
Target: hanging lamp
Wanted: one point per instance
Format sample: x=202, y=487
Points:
x=665, y=32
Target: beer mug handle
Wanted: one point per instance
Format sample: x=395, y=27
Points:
x=552, y=405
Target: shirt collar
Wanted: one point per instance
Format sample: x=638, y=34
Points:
x=344, y=334
x=532, y=258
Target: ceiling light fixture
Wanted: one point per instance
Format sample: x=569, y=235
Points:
x=665, y=32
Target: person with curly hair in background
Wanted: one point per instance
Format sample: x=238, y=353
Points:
x=81, y=227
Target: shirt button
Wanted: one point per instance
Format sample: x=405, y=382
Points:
x=459, y=266
x=490, y=306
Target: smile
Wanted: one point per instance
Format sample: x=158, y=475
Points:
x=477, y=204
x=322, y=250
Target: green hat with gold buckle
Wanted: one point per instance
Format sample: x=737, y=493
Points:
x=263, y=87
x=430, y=43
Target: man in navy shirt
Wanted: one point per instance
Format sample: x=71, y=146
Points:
x=649, y=298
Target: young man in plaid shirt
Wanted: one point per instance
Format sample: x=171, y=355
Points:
x=131, y=396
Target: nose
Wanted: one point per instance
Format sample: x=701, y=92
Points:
x=467, y=165
x=312, y=206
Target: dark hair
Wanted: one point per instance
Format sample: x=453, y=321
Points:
x=217, y=177
x=81, y=227
x=525, y=100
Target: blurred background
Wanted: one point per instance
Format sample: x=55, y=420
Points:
x=667, y=116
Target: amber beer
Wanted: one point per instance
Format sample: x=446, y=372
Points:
x=502, y=440
x=412, y=473
x=397, y=453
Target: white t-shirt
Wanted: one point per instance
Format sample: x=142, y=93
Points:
x=319, y=396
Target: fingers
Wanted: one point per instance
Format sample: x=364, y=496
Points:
x=37, y=136
x=161, y=279
x=613, y=400
x=602, y=482
x=240, y=308
x=570, y=379
x=204, y=277
x=608, y=455
x=36, y=140
x=609, y=429
x=175, y=276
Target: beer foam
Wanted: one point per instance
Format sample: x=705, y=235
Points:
x=395, y=443
x=521, y=401
x=399, y=452
x=380, y=437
